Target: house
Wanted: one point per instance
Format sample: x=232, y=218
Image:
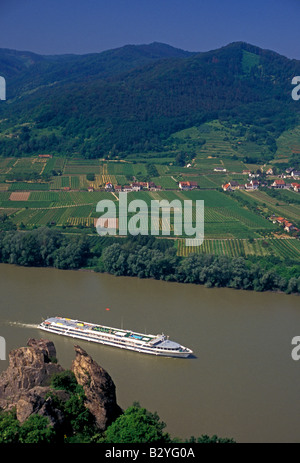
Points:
x=269, y=171
x=127, y=188
x=118, y=188
x=246, y=172
x=90, y=188
x=143, y=184
x=234, y=185
x=150, y=185
x=255, y=184
x=289, y=170
x=108, y=186
x=296, y=187
x=279, y=183
x=226, y=187
x=49, y=156
x=189, y=165
x=280, y=220
x=184, y=185
x=188, y=185
x=295, y=173
x=155, y=188
x=135, y=186
x=288, y=226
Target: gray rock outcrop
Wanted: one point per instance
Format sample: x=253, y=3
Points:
x=25, y=385
x=99, y=389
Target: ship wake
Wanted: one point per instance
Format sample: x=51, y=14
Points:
x=20, y=324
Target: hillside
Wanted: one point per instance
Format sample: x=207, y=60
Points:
x=131, y=100
x=27, y=71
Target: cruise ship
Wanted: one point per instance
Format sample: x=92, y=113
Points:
x=124, y=339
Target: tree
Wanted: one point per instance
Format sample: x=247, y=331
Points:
x=9, y=428
x=180, y=159
x=37, y=430
x=136, y=425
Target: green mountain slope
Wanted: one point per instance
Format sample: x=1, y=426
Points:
x=27, y=71
x=143, y=95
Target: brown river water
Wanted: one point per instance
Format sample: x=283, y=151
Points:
x=242, y=382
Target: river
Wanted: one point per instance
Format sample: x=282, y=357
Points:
x=242, y=382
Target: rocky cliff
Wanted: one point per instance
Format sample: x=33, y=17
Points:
x=25, y=384
x=98, y=387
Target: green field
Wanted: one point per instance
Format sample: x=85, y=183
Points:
x=282, y=248
x=289, y=209
x=234, y=224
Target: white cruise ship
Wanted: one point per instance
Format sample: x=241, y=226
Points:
x=124, y=339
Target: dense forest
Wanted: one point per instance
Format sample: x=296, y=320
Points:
x=137, y=106
x=144, y=257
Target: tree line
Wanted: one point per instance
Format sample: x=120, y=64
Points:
x=43, y=247
x=142, y=261
x=144, y=257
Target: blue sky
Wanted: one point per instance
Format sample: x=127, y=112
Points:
x=88, y=26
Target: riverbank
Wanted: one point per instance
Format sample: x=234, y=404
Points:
x=146, y=257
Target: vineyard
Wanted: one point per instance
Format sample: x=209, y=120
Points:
x=289, y=209
x=234, y=225
x=284, y=248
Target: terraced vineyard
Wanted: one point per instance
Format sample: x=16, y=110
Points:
x=288, y=142
x=275, y=205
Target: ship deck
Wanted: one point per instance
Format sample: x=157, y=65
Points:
x=83, y=326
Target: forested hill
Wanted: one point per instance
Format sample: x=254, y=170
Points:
x=26, y=71
x=133, y=98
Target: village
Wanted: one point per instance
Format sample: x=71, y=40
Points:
x=284, y=181
x=291, y=174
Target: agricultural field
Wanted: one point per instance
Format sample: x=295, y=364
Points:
x=283, y=248
x=62, y=199
x=223, y=216
x=289, y=209
x=80, y=166
x=25, y=166
x=216, y=144
x=288, y=143
x=28, y=186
